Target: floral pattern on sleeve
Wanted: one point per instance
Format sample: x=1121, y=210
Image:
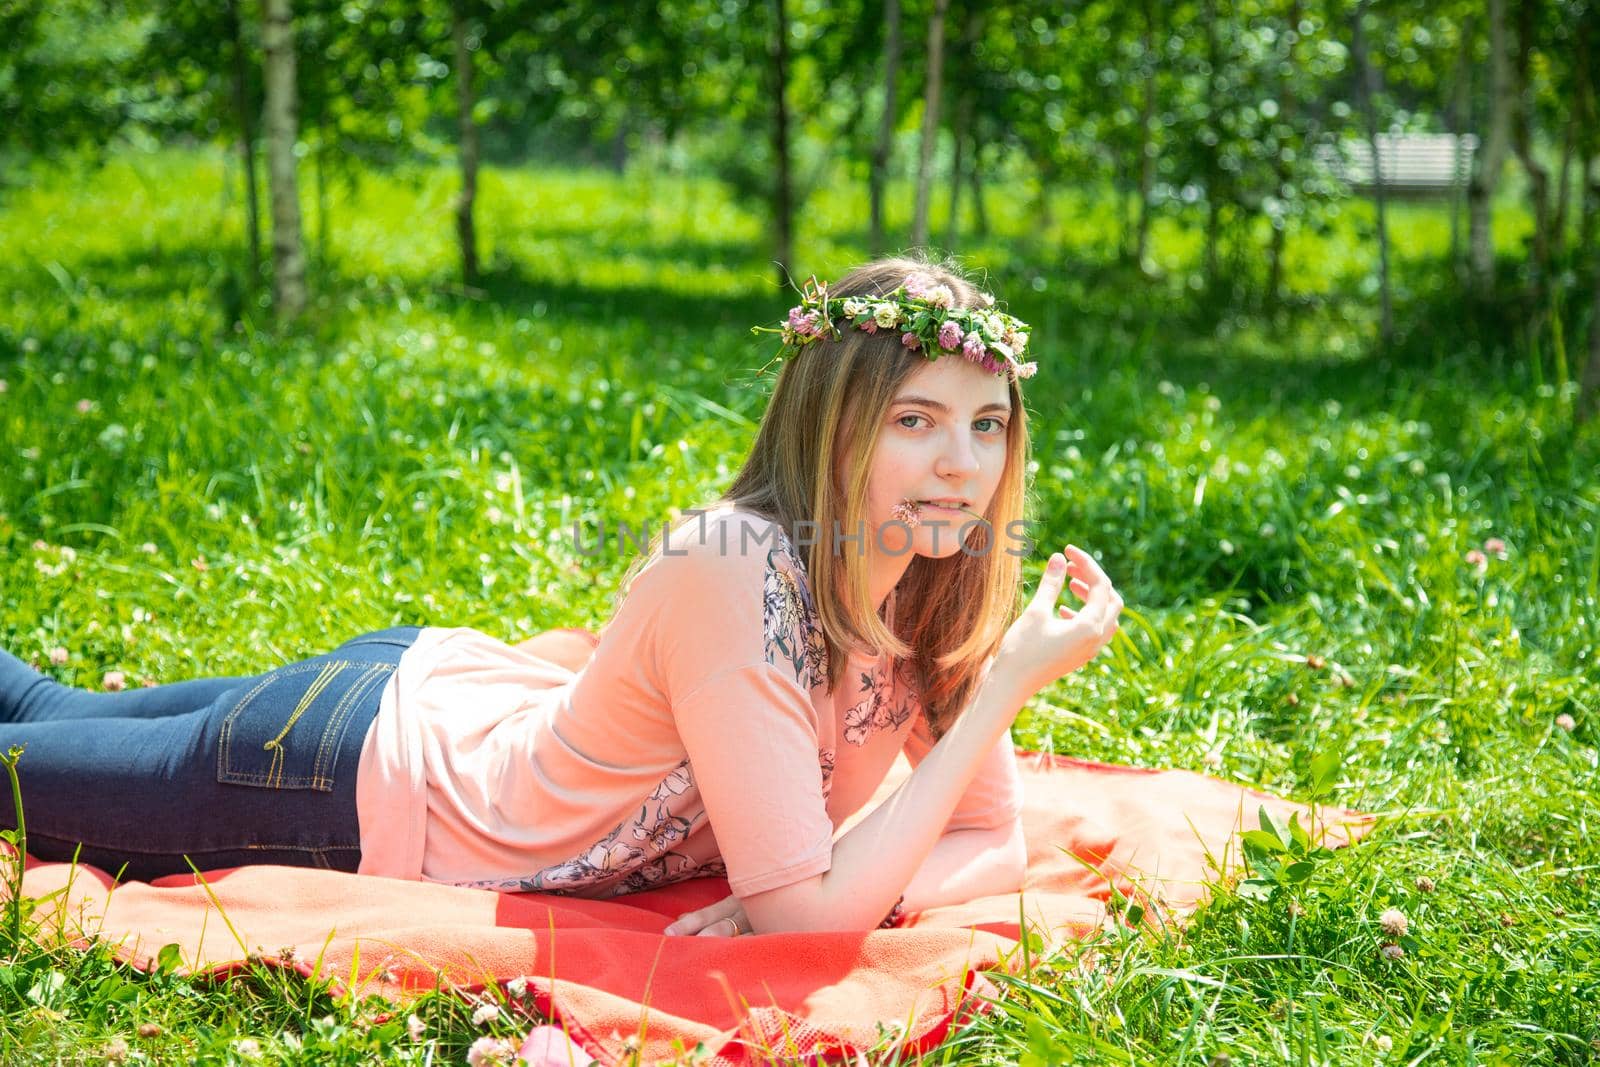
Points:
x=637, y=854
x=791, y=631
x=888, y=704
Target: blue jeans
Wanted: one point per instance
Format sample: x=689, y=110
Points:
x=220, y=771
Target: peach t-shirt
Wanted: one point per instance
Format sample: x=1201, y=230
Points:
x=700, y=739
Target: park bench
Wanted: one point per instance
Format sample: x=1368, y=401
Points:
x=1412, y=164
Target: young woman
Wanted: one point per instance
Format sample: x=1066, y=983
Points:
x=851, y=596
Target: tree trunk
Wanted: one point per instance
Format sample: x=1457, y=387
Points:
x=952, y=232
x=1491, y=154
x=972, y=29
x=247, y=142
x=1147, y=154
x=930, y=120
x=1591, y=202
x=1280, y=164
x=1589, y=109
x=322, y=193
x=878, y=179
x=1522, y=140
x=619, y=147
x=1460, y=122
x=1367, y=84
x=1578, y=122
x=783, y=194
x=1214, y=192
x=1121, y=198
x=980, y=215
x=1589, y=390
x=1558, y=222
x=467, y=132
x=288, y=253
x=1213, y=237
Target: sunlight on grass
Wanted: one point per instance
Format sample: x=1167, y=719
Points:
x=1289, y=517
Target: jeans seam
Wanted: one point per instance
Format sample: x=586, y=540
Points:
x=336, y=719
x=341, y=715
x=194, y=851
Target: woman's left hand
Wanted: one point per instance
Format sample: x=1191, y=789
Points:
x=725, y=918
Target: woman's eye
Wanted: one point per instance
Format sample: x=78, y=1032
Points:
x=902, y=420
x=995, y=425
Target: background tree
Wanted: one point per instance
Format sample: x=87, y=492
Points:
x=887, y=119
x=1492, y=146
x=463, y=32
x=1366, y=91
x=288, y=254
x=930, y=120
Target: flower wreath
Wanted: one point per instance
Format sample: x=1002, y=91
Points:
x=921, y=310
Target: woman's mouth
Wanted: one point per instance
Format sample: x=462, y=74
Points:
x=911, y=512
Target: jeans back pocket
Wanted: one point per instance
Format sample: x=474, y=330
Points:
x=287, y=730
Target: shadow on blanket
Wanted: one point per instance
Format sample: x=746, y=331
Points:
x=603, y=969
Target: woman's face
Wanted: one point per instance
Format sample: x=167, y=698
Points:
x=943, y=439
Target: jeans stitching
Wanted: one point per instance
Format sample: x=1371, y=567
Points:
x=225, y=773
x=327, y=750
x=336, y=718
x=225, y=734
x=280, y=757
x=194, y=851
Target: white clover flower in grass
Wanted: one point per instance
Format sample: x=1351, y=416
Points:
x=1394, y=923
x=491, y=1052
x=517, y=987
x=485, y=1014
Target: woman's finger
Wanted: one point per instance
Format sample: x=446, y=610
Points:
x=1085, y=564
x=723, y=927
x=1055, y=574
x=689, y=922
x=692, y=922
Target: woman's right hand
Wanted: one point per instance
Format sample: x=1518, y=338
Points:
x=1047, y=641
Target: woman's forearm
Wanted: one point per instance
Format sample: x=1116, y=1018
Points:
x=875, y=861
x=967, y=864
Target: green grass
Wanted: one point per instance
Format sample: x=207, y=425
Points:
x=1268, y=496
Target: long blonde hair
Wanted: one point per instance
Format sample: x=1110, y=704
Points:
x=951, y=613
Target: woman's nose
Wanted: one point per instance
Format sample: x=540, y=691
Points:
x=959, y=455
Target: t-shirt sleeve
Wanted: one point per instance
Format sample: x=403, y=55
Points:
x=751, y=737
x=993, y=798
x=731, y=633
